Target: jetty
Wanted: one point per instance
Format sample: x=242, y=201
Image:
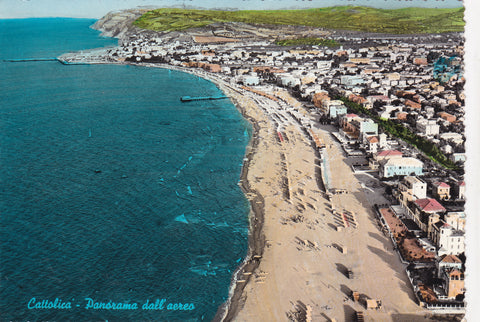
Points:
x=201, y=98
x=20, y=60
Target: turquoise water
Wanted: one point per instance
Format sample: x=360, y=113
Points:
x=111, y=188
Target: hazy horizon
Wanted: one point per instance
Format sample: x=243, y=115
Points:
x=98, y=8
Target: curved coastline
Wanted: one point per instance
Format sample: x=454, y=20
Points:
x=291, y=162
x=256, y=238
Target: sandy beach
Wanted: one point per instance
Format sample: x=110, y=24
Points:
x=298, y=259
x=302, y=266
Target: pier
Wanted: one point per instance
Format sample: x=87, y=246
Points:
x=20, y=60
x=201, y=98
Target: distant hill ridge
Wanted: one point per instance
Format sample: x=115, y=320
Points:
x=367, y=19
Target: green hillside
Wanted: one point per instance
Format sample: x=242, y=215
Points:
x=398, y=21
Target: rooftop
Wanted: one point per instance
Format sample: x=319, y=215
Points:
x=413, y=179
x=429, y=205
x=408, y=162
x=441, y=184
x=388, y=153
x=450, y=259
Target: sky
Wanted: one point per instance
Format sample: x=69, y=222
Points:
x=98, y=8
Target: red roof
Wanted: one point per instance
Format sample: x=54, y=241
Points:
x=441, y=184
x=351, y=115
x=379, y=97
x=372, y=139
x=387, y=153
x=451, y=259
x=429, y=205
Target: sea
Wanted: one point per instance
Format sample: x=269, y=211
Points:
x=118, y=202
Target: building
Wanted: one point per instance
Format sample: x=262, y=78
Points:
x=377, y=98
x=347, y=128
x=336, y=108
x=412, y=188
x=447, y=149
x=401, y=167
x=360, y=60
x=448, y=262
x=374, y=162
x=450, y=270
x=351, y=80
x=364, y=127
x=447, y=117
x=420, y=61
x=310, y=78
x=454, y=283
x=356, y=127
x=358, y=99
x=331, y=108
x=454, y=137
x=288, y=80
x=441, y=190
x=450, y=241
x=250, y=80
x=320, y=99
x=388, y=110
x=402, y=116
x=412, y=104
x=460, y=190
x=458, y=157
x=428, y=127
x=425, y=213
x=456, y=220
x=371, y=143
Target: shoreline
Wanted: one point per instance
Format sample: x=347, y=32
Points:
x=256, y=238
x=290, y=253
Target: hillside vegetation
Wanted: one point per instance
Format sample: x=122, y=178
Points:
x=311, y=41
x=367, y=19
